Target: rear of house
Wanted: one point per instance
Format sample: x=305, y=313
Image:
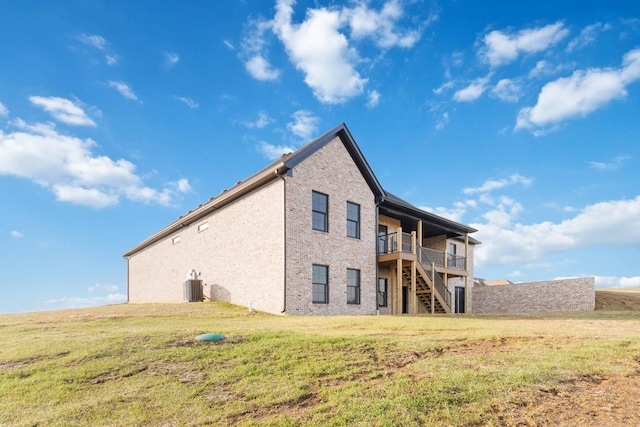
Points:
x=313, y=233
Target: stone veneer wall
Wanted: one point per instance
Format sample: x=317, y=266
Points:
x=240, y=255
x=331, y=171
x=555, y=295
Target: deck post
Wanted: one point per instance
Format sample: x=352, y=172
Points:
x=466, y=278
x=399, y=284
x=433, y=288
x=414, y=308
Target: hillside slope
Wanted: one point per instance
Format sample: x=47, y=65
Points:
x=618, y=299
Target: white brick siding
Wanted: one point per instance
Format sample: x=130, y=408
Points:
x=240, y=255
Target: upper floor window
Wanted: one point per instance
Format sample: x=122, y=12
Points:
x=320, y=211
x=320, y=284
x=353, y=286
x=204, y=226
x=353, y=220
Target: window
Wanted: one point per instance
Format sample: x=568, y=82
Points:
x=353, y=286
x=320, y=214
x=452, y=258
x=203, y=226
x=353, y=220
x=320, y=284
x=382, y=292
x=175, y=240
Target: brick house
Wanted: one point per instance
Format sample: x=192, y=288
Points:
x=313, y=233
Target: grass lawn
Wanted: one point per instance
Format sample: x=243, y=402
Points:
x=140, y=365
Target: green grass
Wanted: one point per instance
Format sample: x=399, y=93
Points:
x=139, y=365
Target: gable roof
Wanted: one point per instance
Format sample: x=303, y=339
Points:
x=269, y=173
x=387, y=201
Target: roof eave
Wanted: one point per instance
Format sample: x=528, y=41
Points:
x=227, y=196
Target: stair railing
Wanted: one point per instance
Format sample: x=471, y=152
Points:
x=437, y=281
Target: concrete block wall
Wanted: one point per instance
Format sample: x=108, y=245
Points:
x=331, y=171
x=576, y=294
x=240, y=255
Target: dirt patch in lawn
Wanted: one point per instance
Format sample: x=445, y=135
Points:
x=587, y=401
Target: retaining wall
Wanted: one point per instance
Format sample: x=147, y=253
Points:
x=577, y=294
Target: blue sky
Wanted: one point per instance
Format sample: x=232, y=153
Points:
x=117, y=117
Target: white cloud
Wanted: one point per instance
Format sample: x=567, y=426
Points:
x=228, y=44
x=304, y=125
x=96, y=41
x=587, y=36
x=454, y=214
x=544, y=68
x=111, y=59
x=444, y=86
x=254, y=52
x=171, y=59
x=260, y=69
x=262, y=121
x=81, y=302
x=614, y=222
x=612, y=165
x=67, y=166
x=188, y=101
x=491, y=185
x=272, y=151
x=502, y=47
x=381, y=25
x=580, y=94
x=16, y=234
x=472, y=92
x=442, y=121
x=63, y=110
x=124, y=89
x=374, y=99
x=321, y=52
x=4, y=112
x=323, y=45
x=507, y=90
x=617, y=282
x=100, y=287
x=101, y=44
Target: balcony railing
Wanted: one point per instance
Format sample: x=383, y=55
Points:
x=388, y=243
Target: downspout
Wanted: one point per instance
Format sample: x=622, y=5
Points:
x=376, y=257
x=284, y=207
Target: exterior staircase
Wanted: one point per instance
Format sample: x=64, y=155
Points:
x=426, y=284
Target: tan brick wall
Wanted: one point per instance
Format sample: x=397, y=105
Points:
x=551, y=296
x=240, y=255
x=331, y=171
x=385, y=273
x=460, y=281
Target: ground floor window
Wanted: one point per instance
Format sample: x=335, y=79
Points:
x=320, y=283
x=353, y=286
x=382, y=292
